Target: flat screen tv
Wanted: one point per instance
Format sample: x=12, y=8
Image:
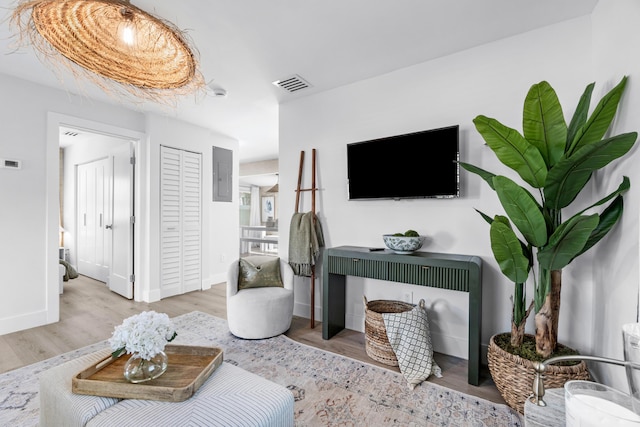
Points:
x=410, y=166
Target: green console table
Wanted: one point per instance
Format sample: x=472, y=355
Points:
x=446, y=271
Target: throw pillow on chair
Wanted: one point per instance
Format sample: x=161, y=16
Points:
x=260, y=276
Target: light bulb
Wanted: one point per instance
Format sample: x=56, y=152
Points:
x=128, y=30
x=128, y=35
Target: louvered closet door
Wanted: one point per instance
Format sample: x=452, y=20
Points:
x=180, y=200
x=191, y=221
x=170, y=189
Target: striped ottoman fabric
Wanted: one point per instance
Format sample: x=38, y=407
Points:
x=60, y=407
x=230, y=397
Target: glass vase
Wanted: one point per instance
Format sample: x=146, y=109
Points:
x=138, y=370
x=589, y=404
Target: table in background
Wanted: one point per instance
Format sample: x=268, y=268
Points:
x=265, y=240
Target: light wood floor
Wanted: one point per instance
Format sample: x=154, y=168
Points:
x=89, y=312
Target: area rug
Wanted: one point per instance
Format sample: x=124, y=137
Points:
x=329, y=389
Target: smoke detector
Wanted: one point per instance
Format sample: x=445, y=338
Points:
x=216, y=90
x=219, y=92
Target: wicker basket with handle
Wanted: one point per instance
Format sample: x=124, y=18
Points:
x=375, y=334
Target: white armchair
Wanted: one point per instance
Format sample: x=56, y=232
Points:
x=259, y=312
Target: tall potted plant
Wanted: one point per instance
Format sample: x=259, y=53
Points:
x=555, y=161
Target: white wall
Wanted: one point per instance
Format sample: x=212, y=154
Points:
x=493, y=80
x=30, y=115
x=615, y=267
x=29, y=197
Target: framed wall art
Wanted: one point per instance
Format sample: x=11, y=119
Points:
x=268, y=208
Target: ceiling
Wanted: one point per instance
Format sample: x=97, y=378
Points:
x=246, y=45
x=264, y=180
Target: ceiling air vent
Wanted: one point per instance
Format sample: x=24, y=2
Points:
x=292, y=84
x=71, y=133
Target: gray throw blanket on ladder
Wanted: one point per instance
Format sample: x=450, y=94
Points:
x=305, y=241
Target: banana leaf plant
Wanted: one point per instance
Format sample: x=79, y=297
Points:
x=555, y=161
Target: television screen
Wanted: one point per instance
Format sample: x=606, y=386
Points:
x=415, y=165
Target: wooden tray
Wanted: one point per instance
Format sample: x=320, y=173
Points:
x=189, y=367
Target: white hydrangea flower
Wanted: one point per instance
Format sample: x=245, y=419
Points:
x=146, y=333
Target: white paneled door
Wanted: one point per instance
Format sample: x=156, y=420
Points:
x=181, y=221
x=122, y=222
x=93, y=192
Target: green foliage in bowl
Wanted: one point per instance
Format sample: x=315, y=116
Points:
x=408, y=233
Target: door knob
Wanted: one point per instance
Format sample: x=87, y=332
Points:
x=109, y=226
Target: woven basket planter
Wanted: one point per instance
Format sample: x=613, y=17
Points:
x=513, y=375
x=375, y=334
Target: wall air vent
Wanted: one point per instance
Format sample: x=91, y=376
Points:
x=71, y=133
x=292, y=84
x=10, y=164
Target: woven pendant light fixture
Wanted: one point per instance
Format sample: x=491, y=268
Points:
x=112, y=43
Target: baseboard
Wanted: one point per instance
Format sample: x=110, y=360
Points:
x=453, y=346
x=214, y=280
x=302, y=310
x=152, y=296
x=484, y=348
x=22, y=322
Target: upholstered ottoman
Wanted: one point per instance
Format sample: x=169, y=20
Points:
x=230, y=397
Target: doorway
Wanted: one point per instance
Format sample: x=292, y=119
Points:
x=258, y=214
x=97, y=205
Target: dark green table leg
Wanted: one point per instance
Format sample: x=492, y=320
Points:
x=475, y=321
x=333, y=305
x=333, y=301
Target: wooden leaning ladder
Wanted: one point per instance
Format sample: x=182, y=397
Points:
x=313, y=190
